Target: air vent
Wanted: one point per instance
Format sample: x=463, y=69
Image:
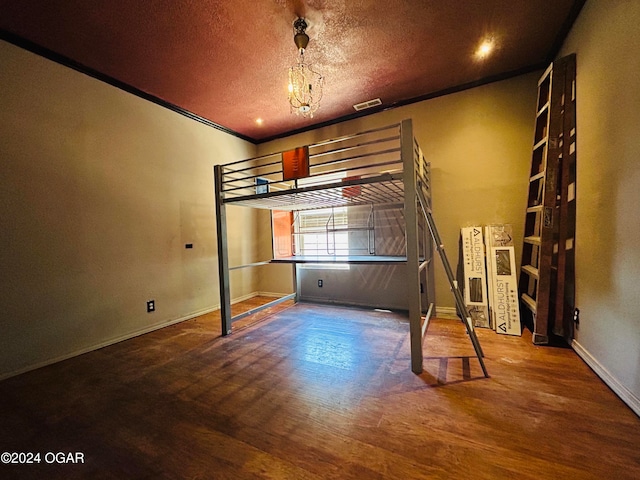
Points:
x=369, y=104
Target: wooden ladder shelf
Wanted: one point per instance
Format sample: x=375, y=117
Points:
x=547, y=273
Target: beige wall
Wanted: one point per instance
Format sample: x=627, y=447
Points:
x=101, y=191
x=479, y=144
x=606, y=40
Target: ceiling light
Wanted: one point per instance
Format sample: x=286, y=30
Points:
x=305, y=84
x=485, y=48
x=259, y=121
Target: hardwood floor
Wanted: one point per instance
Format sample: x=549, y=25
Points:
x=317, y=392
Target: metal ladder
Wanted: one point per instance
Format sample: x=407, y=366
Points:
x=462, y=308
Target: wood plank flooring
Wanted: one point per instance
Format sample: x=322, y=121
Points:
x=319, y=392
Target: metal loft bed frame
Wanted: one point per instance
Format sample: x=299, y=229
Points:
x=383, y=167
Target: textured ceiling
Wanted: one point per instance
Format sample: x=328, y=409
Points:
x=226, y=61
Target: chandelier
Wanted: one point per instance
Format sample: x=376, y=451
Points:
x=305, y=84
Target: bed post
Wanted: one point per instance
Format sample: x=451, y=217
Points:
x=411, y=239
x=223, y=253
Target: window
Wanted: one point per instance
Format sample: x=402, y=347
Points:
x=322, y=232
x=334, y=231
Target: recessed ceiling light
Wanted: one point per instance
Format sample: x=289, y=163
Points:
x=485, y=48
x=259, y=121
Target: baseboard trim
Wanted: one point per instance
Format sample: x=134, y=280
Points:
x=106, y=343
x=270, y=294
x=619, y=389
x=446, y=312
x=248, y=296
x=127, y=336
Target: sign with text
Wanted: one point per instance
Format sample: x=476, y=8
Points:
x=505, y=291
x=475, y=276
x=499, y=235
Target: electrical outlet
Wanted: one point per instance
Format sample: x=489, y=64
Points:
x=151, y=306
x=576, y=317
x=320, y=283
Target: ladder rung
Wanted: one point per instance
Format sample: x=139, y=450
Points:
x=537, y=176
x=540, y=143
x=541, y=111
x=545, y=75
x=530, y=270
x=532, y=240
x=535, y=209
x=529, y=302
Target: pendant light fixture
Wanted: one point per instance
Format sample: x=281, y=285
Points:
x=305, y=84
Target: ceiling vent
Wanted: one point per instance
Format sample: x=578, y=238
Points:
x=369, y=104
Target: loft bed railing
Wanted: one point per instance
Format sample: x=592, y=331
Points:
x=365, y=168
x=378, y=167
